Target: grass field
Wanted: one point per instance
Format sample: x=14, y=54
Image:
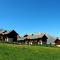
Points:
x=16, y=52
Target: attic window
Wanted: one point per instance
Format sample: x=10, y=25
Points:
x=25, y=35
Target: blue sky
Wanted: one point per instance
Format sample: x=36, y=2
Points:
x=29, y=16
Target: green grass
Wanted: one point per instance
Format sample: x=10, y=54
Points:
x=24, y=52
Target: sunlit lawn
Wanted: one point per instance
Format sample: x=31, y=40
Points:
x=24, y=52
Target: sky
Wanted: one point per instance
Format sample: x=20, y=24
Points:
x=30, y=16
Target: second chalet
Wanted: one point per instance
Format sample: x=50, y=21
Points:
x=33, y=39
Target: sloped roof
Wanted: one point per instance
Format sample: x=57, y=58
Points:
x=33, y=36
x=3, y=32
x=21, y=38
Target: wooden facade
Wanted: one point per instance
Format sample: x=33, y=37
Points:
x=35, y=39
x=57, y=41
x=8, y=36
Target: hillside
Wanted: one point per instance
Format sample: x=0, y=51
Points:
x=50, y=39
x=19, y=52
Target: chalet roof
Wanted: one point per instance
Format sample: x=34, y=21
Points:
x=3, y=32
x=33, y=36
x=21, y=38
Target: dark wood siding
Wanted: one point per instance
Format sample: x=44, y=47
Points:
x=13, y=35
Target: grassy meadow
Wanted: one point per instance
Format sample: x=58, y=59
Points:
x=24, y=52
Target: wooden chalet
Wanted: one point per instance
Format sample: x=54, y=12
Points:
x=57, y=42
x=8, y=36
x=34, y=39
